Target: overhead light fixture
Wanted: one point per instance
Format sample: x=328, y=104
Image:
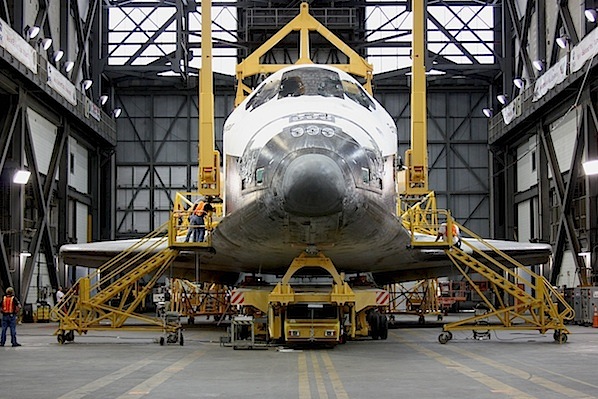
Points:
x=563, y=41
x=488, y=112
x=591, y=14
x=86, y=84
x=502, y=98
x=32, y=32
x=46, y=43
x=58, y=55
x=590, y=168
x=68, y=66
x=21, y=177
x=103, y=99
x=116, y=112
x=519, y=83
x=539, y=65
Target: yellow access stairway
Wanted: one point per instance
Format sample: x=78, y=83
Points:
x=519, y=299
x=107, y=298
x=523, y=300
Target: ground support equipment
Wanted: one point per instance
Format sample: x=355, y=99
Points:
x=295, y=313
x=107, y=298
x=192, y=300
x=420, y=300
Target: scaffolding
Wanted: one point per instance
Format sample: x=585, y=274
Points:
x=420, y=300
x=192, y=299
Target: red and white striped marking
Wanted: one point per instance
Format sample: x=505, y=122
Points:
x=237, y=298
x=382, y=298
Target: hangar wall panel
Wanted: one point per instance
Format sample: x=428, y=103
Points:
x=564, y=133
x=527, y=175
x=524, y=224
x=43, y=135
x=82, y=221
x=78, y=166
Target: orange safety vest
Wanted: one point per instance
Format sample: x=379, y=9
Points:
x=8, y=304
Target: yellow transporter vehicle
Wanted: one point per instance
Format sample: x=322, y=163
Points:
x=312, y=314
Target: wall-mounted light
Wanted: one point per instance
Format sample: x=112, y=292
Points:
x=519, y=83
x=591, y=14
x=32, y=32
x=68, y=66
x=116, y=112
x=590, y=167
x=563, y=41
x=86, y=84
x=46, y=43
x=488, y=112
x=58, y=55
x=103, y=99
x=539, y=65
x=502, y=98
x=21, y=177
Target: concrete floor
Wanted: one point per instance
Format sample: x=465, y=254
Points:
x=410, y=364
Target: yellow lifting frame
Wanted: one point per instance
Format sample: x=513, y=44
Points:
x=208, y=157
x=304, y=23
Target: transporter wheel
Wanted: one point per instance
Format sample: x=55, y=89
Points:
x=444, y=337
x=383, y=324
x=375, y=325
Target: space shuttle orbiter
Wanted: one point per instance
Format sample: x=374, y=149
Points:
x=310, y=164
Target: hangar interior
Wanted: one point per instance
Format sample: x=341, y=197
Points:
x=100, y=104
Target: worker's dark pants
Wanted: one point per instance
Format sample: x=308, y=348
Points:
x=9, y=320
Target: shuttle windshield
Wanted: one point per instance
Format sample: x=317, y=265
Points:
x=310, y=82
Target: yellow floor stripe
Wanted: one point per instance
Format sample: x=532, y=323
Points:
x=148, y=385
x=304, y=391
x=553, y=386
x=318, y=375
x=492, y=383
x=339, y=390
x=88, y=389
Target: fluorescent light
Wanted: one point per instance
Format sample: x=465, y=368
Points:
x=32, y=32
x=519, y=83
x=502, y=98
x=590, y=167
x=86, y=84
x=488, y=112
x=46, y=43
x=116, y=112
x=590, y=15
x=58, y=55
x=103, y=99
x=562, y=41
x=538, y=64
x=21, y=177
x=68, y=66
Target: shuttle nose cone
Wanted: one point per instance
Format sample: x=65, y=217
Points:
x=313, y=185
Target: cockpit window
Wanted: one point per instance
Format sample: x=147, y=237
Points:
x=263, y=94
x=310, y=81
x=357, y=94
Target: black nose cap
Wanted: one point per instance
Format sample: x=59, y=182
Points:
x=313, y=185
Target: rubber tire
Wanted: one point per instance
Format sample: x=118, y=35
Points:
x=60, y=338
x=375, y=325
x=191, y=320
x=563, y=338
x=421, y=320
x=181, y=340
x=443, y=338
x=70, y=336
x=383, y=325
x=161, y=341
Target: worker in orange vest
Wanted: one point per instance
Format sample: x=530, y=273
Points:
x=10, y=308
x=442, y=234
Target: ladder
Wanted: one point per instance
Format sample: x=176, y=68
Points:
x=523, y=299
x=108, y=297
